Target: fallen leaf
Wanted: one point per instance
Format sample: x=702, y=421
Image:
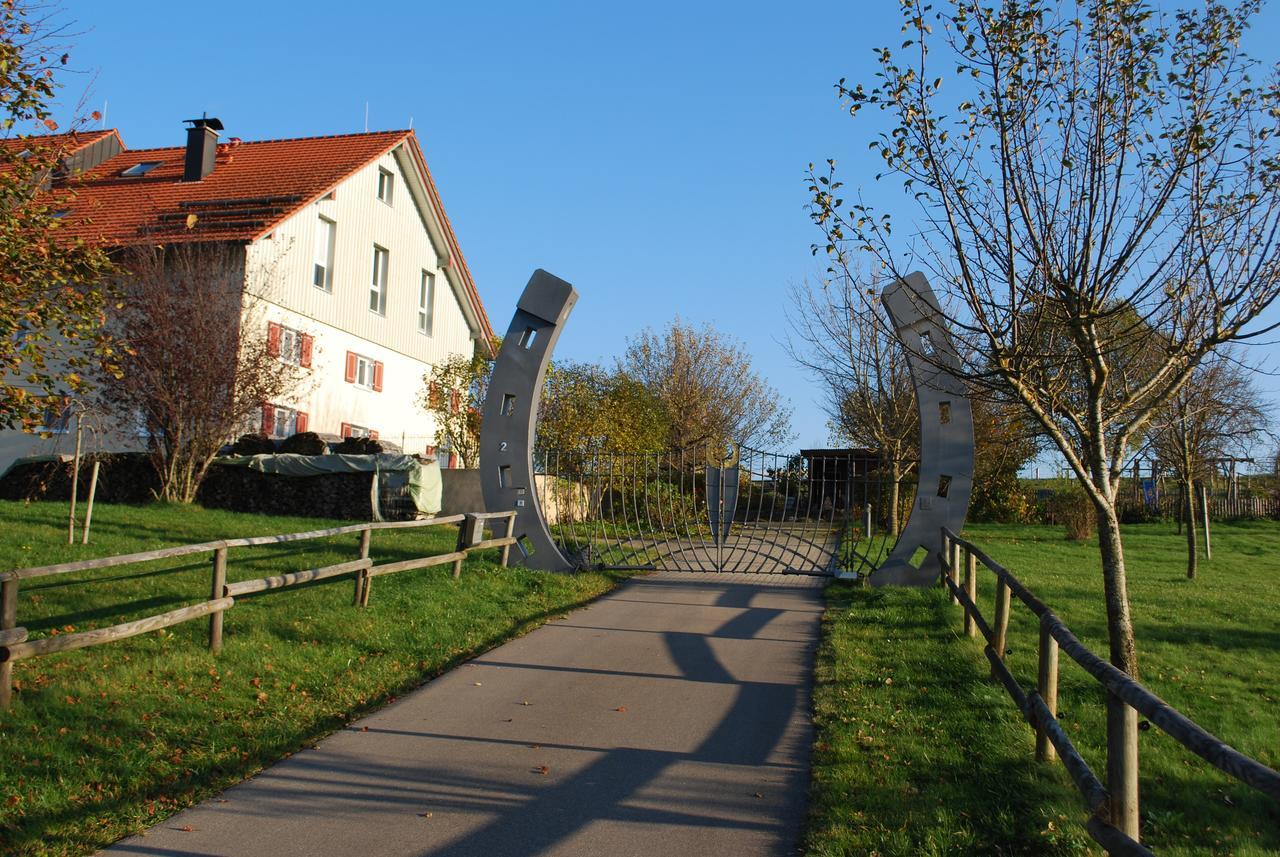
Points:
x=542, y=769
x=478, y=684
x=186, y=828
x=425, y=814
x=620, y=708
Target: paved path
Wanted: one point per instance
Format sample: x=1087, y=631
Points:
x=670, y=717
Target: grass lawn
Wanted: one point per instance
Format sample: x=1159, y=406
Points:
x=919, y=752
x=105, y=741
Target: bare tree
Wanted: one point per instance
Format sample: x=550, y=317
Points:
x=200, y=365
x=1218, y=414
x=836, y=335
x=707, y=386
x=1105, y=173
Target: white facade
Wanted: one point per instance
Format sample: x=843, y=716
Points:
x=390, y=327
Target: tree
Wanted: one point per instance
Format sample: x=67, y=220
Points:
x=706, y=384
x=53, y=295
x=869, y=398
x=453, y=392
x=1099, y=177
x=1218, y=414
x=200, y=364
x=586, y=409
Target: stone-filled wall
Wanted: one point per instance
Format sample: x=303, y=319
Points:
x=123, y=477
x=333, y=495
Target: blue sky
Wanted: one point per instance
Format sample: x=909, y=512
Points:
x=651, y=154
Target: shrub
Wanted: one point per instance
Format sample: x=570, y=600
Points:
x=253, y=444
x=1000, y=498
x=305, y=443
x=1071, y=508
x=358, y=446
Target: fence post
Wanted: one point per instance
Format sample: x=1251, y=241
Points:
x=8, y=619
x=1002, y=619
x=970, y=589
x=506, y=549
x=952, y=548
x=364, y=582
x=1047, y=684
x=1122, y=765
x=470, y=531
x=1204, y=504
x=215, y=591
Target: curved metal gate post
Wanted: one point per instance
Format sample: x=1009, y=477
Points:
x=946, y=433
x=510, y=416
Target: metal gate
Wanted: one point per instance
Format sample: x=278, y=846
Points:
x=733, y=510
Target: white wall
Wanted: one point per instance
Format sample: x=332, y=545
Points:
x=281, y=270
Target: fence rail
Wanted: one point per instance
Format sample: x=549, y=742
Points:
x=14, y=644
x=1113, y=808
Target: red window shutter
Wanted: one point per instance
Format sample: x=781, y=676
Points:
x=377, y=377
x=431, y=449
x=305, y=358
x=268, y=419
x=433, y=395
x=273, y=339
x=302, y=421
x=373, y=435
x=346, y=430
x=350, y=376
x=455, y=400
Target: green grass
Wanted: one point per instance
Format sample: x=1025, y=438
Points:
x=938, y=761
x=105, y=741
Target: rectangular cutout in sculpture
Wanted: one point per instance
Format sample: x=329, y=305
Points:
x=508, y=404
x=944, y=412
x=504, y=475
x=527, y=338
x=944, y=485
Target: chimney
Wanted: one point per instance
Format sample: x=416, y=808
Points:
x=202, y=148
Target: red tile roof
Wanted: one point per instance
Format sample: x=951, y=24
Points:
x=253, y=187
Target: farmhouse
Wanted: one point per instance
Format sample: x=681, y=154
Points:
x=368, y=287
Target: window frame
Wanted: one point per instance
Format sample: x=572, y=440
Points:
x=379, y=280
x=332, y=233
x=290, y=419
x=365, y=368
x=386, y=191
x=427, y=303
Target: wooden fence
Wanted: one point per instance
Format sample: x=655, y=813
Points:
x=1113, y=808
x=14, y=644
x=1222, y=507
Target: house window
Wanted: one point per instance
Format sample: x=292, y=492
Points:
x=57, y=418
x=291, y=346
x=322, y=277
x=426, y=302
x=378, y=288
x=281, y=421
x=351, y=430
x=139, y=169
x=386, y=185
x=364, y=372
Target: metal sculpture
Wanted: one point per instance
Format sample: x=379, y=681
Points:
x=946, y=435
x=510, y=416
x=802, y=523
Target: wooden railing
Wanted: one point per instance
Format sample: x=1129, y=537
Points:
x=1113, y=808
x=14, y=644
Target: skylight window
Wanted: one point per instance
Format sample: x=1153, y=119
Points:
x=140, y=169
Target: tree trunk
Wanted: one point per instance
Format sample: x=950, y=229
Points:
x=1124, y=652
x=1190, y=510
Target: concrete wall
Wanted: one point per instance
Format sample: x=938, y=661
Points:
x=460, y=491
